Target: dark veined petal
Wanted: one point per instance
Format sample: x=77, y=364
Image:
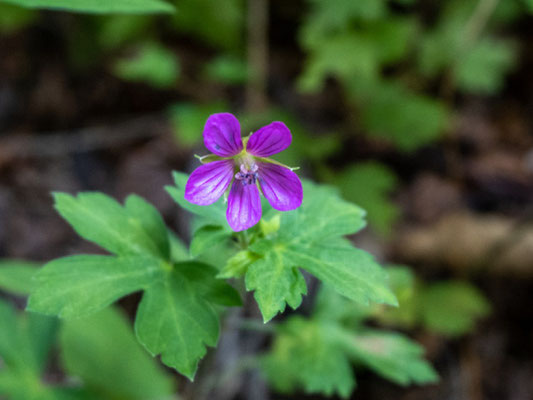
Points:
x=269, y=140
x=222, y=135
x=244, y=206
x=208, y=182
x=281, y=187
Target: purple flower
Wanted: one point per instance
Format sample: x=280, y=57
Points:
x=244, y=163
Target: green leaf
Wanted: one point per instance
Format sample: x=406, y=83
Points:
x=215, y=213
x=452, y=308
x=134, y=229
x=483, y=68
x=275, y=283
x=391, y=355
x=303, y=356
x=207, y=237
x=188, y=120
x=323, y=214
x=205, y=20
x=310, y=239
x=14, y=19
x=351, y=272
x=206, y=285
x=227, y=70
x=151, y=221
x=9, y=335
x=25, y=341
x=17, y=276
x=103, y=351
x=176, y=321
x=41, y=333
x=358, y=55
x=154, y=64
x=407, y=119
x=238, y=264
x=99, y=6
x=80, y=285
x=369, y=185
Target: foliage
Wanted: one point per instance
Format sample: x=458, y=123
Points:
x=153, y=64
x=315, y=353
x=177, y=316
x=307, y=239
x=188, y=120
x=13, y=18
x=450, y=308
x=98, y=6
x=370, y=49
x=369, y=184
x=15, y=276
x=221, y=27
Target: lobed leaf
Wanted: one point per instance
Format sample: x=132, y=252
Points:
x=136, y=228
x=275, y=283
x=391, y=355
x=175, y=321
x=75, y=286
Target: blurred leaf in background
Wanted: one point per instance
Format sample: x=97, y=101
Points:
x=188, y=120
x=17, y=276
x=391, y=111
x=227, y=69
x=458, y=45
x=316, y=353
x=103, y=352
x=114, y=31
x=369, y=185
x=449, y=308
x=25, y=341
x=153, y=64
x=217, y=24
x=14, y=19
x=305, y=146
x=98, y=6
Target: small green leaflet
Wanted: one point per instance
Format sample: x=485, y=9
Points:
x=178, y=296
x=99, y=6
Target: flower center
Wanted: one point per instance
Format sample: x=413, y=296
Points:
x=247, y=176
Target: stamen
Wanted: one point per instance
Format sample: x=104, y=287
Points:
x=247, y=177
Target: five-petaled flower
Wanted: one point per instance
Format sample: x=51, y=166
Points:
x=245, y=164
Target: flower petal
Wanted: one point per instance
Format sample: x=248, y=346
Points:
x=244, y=206
x=281, y=187
x=208, y=182
x=269, y=140
x=222, y=135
